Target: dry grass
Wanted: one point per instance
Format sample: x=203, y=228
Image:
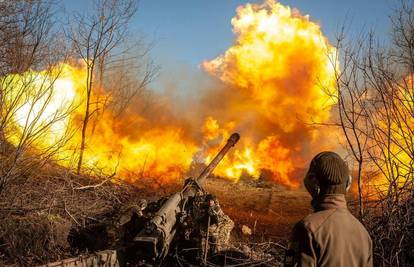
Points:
x=392, y=232
x=34, y=238
x=38, y=211
x=41, y=210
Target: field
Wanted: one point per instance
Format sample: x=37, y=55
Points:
x=269, y=211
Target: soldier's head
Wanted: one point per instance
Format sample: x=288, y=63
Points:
x=327, y=174
x=211, y=200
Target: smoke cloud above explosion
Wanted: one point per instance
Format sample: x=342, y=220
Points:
x=270, y=85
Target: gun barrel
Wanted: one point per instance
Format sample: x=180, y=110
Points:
x=154, y=240
x=234, y=138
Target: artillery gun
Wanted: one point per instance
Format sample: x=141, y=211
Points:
x=153, y=240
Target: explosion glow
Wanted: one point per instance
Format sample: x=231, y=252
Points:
x=279, y=64
x=273, y=79
x=113, y=144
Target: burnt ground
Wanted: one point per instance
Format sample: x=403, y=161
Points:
x=49, y=215
x=269, y=211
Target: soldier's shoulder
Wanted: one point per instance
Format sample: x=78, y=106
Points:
x=357, y=224
x=299, y=231
x=315, y=220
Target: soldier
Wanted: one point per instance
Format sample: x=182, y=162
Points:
x=132, y=209
x=131, y=220
x=331, y=236
x=214, y=226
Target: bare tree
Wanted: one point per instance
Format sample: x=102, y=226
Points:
x=126, y=77
x=94, y=37
x=25, y=34
x=349, y=95
x=27, y=122
x=375, y=95
x=25, y=31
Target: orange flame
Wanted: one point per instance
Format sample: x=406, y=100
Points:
x=273, y=79
x=124, y=144
x=280, y=66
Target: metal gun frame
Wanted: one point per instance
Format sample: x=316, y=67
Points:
x=154, y=240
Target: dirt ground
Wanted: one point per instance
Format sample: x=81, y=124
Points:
x=269, y=211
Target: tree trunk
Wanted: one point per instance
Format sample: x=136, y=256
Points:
x=360, y=202
x=89, y=85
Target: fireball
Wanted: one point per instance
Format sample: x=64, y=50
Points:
x=275, y=78
x=279, y=66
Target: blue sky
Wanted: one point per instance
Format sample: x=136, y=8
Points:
x=194, y=30
x=186, y=32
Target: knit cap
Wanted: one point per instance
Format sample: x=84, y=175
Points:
x=331, y=172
